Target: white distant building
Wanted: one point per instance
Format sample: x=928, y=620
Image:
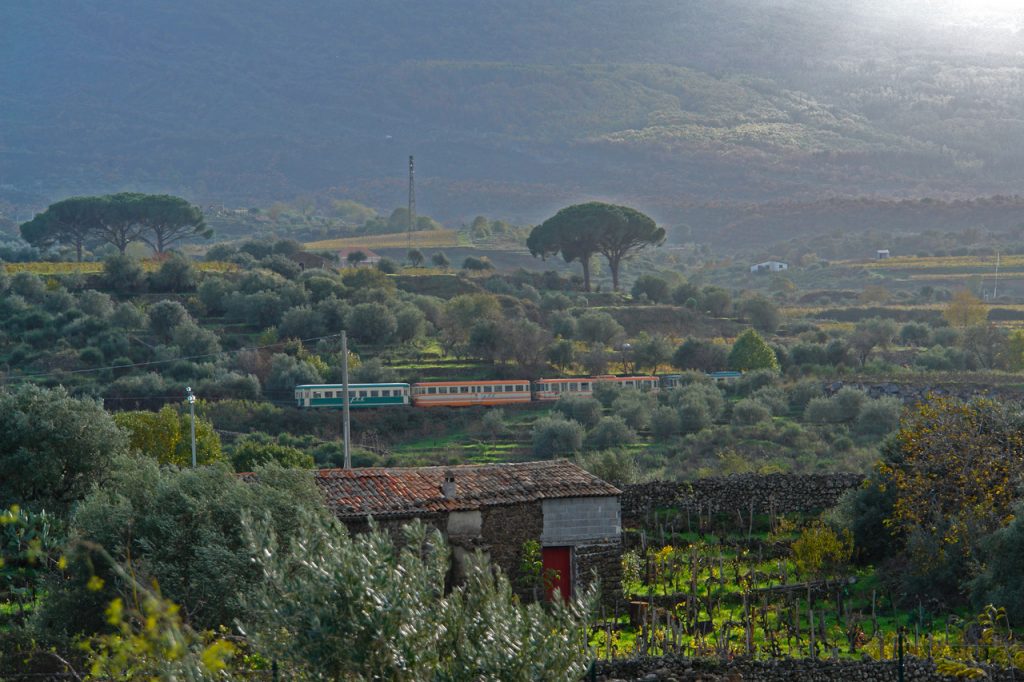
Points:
x=882, y=254
x=769, y=266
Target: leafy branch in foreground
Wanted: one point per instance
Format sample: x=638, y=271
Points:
x=333, y=606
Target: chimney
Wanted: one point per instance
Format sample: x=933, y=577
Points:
x=448, y=487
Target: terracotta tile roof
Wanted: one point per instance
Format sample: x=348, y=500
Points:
x=418, y=491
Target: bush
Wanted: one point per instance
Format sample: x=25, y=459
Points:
x=653, y=288
x=301, y=322
x=803, y=392
x=586, y=411
x=175, y=275
x=618, y=467
x=701, y=355
x=123, y=275
x=748, y=412
x=372, y=323
x=750, y=352
x=610, y=432
x=556, y=436
x=166, y=316
x=493, y=425
x=879, y=417
x=665, y=423
x=598, y=328
x=251, y=452
x=634, y=407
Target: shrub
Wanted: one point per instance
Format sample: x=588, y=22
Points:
x=372, y=323
x=879, y=417
x=654, y=288
x=166, y=316
x=250, y=453
x=610, y=432
x=176, y=274
x=750, y=352
x=554, y=435
x=301, y=322
x=748, y=412
x=634, y=408
x=586, y=411
x=617, y=466
x=123, y=275
x=665, y=423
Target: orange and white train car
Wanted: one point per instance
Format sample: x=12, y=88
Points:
x=464, y=393
x=553, y=389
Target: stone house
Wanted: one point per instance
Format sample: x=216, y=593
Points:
x=496, y=508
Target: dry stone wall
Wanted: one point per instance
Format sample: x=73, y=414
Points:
x=678, y=669
x=781, y=493
x=915, y=393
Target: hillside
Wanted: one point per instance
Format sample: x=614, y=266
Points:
x=514, y=109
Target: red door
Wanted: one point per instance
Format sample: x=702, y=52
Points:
x=557, y=571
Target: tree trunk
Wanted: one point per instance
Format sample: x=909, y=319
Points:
x=585, y=262
x=613, y=265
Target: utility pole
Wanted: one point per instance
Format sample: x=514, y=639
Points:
x=412, y=199
x=995, y=287
x=345, y=402
x=192, y=413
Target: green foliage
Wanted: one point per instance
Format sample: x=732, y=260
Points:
x=615, y=465
x=762, y=313
x=338, y=607
x=586, y=411
x=53, y=448
x=166, y=436
x=556, y=436
x=652, y=288
x=701, y=355
x=123, y=275
x=598, y=328
x=748, y=412
x=750, y=352
x=820, y=551
x=879, y=417
x=610, y=432
x=182, y=529
x=251, y=452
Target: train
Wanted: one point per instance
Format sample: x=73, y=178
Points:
x=489, y=392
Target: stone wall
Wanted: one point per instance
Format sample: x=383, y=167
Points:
x=504, y=531
x=915, y=393
x=781, y=493
x=604, y=559
x=778, y=670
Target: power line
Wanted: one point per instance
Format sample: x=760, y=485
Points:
x=151, y=363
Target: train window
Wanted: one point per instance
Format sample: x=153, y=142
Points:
x=316, y=394
x=328, y=394
x=584, y=385
x=374, y=394
x=488, y=389
x=574, y=386
x=386, y=393
x=463, y=389
x=631, y=383
x=431, y=390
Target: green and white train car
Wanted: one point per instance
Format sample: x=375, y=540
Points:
x=359, y=395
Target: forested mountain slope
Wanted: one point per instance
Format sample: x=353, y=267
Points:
x=511, y=108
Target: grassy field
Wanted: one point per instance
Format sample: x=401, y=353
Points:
x=95, y=267
x=428, y=239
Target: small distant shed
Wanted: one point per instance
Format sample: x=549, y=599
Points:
x=496, y=508
x=370, y=260
x=769, y=266
x=882, y=254
x=308, y=260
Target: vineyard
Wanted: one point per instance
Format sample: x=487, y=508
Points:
x=425, y=239
x=96, y=267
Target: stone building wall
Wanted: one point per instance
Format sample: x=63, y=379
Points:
x=782, y=493
x=605, y=560
x=778, y=670
x=505, y=529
